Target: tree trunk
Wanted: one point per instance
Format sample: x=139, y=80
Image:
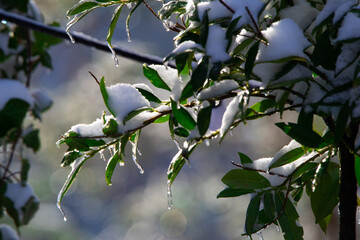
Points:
x=348, y=188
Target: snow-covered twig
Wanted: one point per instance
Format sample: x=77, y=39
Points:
x=79, y=38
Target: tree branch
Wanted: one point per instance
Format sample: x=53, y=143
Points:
x=79, y=38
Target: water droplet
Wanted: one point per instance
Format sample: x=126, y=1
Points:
x=3, y=21
x=70, y=36
x=121, y=163
x=207, y=142
x=169, y=195
x=65, y=219
x=116, y=60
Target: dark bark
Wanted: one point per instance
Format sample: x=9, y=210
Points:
x=348, y=187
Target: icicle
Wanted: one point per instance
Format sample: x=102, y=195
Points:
x=134, y=158
x=58, y=143
x=277, y=229
x=169, y=195
x=358, y=216
x=102, y=156
x=128, y=34
x=260, y=235
x=207, y=142
x=116, y=60
x=70, y=36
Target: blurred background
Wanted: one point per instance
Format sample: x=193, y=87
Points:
x=135, y=206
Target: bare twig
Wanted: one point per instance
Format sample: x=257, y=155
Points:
x=254, y=22
x=97, y=81
x=227, y=6
x=151, y=10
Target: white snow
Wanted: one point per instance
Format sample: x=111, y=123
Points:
x=7, y=233
x=285, y=39
x=215, y=11
x=263, y=164
x=171, y=78
x=254, y=6
x=230, y=114
x=187, y=46
x=218, y=89
x=20, y=195
x=89, y=130
x=350, y=27
x=12, y=89
x=125, y=98
x=301, y=13
x=216, y=44
x=42, y=99
x=338, y=7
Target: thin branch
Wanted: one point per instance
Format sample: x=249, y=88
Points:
x=29, y=56
x=79, y=38
x=18, y=134
x=257, y=170
x=227, y=6
x=97, y=81
x=254, y=22
x=151, y=10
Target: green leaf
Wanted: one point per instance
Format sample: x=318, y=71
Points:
x=105, y=95
x=242, y=46
x=269, y=205
x=74, y=141
x=162, y=119
x=289, y=217
x=341, y=122
x=204, y=29
x=127, y=23
x=174, y=167
x=110, y=167
x=323, y=223
x=183, y=116
x=70, y=157
x=172, y=7
x=260, y=107
x=25, y=167
x=288, y=157
x=325, y=53
x=304, y=136
x=284, y=70
x=252, y=213
x=71, y=177
x=286, y=60
x=325, y=197
x=12, y=115
x=110, y=127
x=136, y=112
x=154, y=77
x=244, y=159
x=182, y=132
x=204, y=118
x=197, y=80
x=113, y=22
x=32, y=140
x=245, y=179
x=231, y=192
x=250, y=59
x=357, y=168
x=29, y=210
x=81, y=7
x=148, y=95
